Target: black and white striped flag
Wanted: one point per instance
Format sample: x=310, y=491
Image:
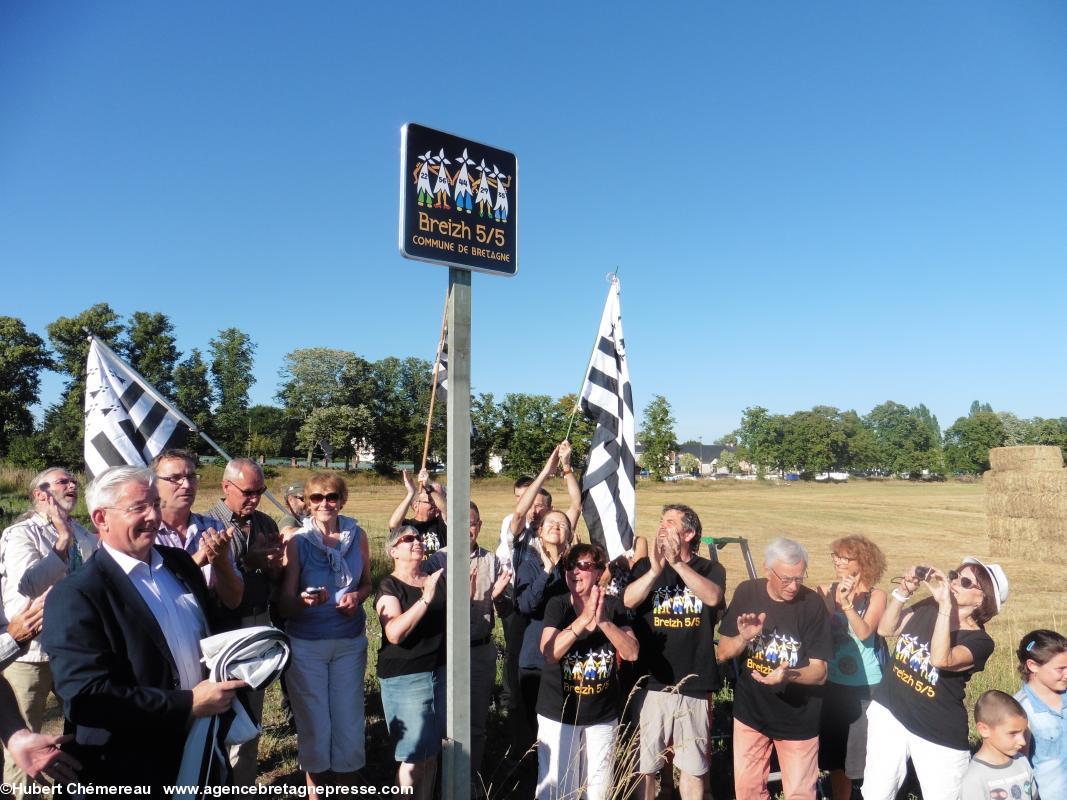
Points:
x=441, y=371
x=608, y=494
x=126, y=420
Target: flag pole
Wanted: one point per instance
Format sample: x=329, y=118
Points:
x=433, y=385
x=151, y=392
x=614, y=278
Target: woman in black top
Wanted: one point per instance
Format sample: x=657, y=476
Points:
x=918, y=709
x=411, y=661
x=578, y=702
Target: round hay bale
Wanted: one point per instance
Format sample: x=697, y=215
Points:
x=1037, y=457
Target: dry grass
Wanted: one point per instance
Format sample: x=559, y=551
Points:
x=934, y=524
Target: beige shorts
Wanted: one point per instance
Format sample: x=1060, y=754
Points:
x=675, y=722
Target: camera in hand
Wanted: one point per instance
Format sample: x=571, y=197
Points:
x=922, y=573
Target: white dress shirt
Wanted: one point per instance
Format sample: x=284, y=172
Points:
x=194, y=532
x=31, y=566
x=175, y=609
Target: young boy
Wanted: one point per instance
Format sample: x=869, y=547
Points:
x=999, y=771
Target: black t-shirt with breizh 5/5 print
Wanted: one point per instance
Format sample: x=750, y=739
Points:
x=794, y=632
x=675, y=630
x=927, y=701
x=583, y=688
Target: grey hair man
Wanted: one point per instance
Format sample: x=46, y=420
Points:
x=123, y=635
x=38, y=551
x=780, y=632
x=257, y=551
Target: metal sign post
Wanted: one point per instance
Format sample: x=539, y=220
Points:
x=458, y=207
x=457, y=753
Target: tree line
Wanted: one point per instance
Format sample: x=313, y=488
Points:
x=891, y=439
x=336, y=401
x=328, y=400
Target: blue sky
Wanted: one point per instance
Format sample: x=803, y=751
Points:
x=808, y=203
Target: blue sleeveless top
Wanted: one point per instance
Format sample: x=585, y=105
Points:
x=325, y=621
x=856, y=662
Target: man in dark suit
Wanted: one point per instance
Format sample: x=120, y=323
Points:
x=123, y=637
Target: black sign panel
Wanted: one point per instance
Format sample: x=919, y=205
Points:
x=458, y=201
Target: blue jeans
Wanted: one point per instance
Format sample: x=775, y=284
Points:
x=415, y=714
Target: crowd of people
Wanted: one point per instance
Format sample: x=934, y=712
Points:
x=602, y=657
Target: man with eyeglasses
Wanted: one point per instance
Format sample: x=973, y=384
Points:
x=779, y=631
x=429, y=506
x=204, y=538
x=37, y=552
x=257, y=551
x=123, y=634
x=676, y=594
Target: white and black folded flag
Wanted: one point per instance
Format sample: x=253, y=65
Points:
x=257, y=656
x=441, y=371
x=608, y=486
x=126, y=420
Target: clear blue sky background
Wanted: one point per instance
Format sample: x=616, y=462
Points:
x=808, y=203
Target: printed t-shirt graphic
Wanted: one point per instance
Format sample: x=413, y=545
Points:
x=793, y=634
x=675, y=630
x=927, y=701
x=583, y=688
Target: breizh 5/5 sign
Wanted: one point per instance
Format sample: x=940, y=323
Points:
x=458, y=201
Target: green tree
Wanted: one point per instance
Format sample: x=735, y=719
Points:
x=63, y=426
x=928, y=419
x=193, y=395
x=978, y=408
x=398, y=401
x=760, y=438
x=1016, y=431
x=485, y=432
x=343, y=428
x=968, y=441
x=232, y=354
x=22, y=357
x=861, y=446
x=657, y=437
x=150, y=348
x=321, y=377
x=806, y=442
x=688, y=464
x=530, y=429
x=272, y=432
x=906, y=444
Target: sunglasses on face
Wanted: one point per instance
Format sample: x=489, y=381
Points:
x=587, y=566
x=409, y=538
x=329, y=497
x=969, y=583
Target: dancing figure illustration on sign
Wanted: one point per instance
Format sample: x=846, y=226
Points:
x=421, y=175
x=483, y=197
x=463, y=193
x=502, y=183
x=442, y=186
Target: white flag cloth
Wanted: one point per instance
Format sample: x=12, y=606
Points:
x=608, y=487
x=441, y=372
x=254, y=655
x=126, y=421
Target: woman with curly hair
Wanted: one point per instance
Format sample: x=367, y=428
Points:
x=856, y=608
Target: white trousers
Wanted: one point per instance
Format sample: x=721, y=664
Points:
x=889, y=745
x=574, y=759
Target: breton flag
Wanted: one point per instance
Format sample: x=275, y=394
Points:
x=608, y=492
x=441, y=370
x=126, y=420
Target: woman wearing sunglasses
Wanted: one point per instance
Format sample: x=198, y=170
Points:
x=411, y=662
x=918, y=710
x=326, y=580
x=578, y=702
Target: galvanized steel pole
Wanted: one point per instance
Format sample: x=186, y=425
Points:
x=457, y=751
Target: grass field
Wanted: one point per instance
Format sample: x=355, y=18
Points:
x=928, y=523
